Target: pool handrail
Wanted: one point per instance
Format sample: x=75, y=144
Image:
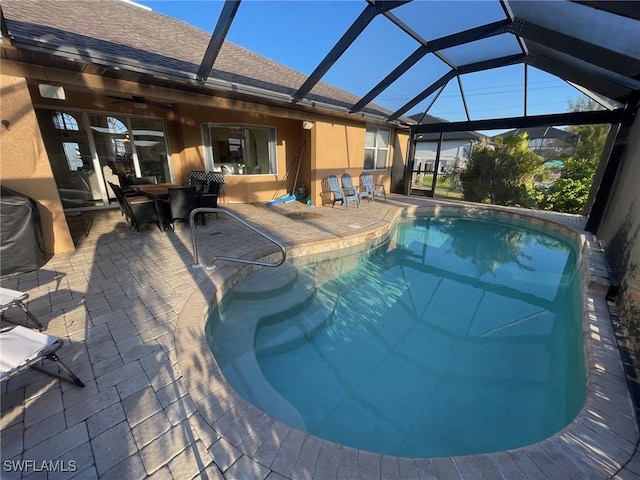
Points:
x=210, y=266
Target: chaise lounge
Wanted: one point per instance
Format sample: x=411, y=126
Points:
x=22, y=348
x=13, y=298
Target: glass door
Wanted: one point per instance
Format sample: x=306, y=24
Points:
x=112, y=142
x=89, y=150
x=69, y=150
x=151, y=148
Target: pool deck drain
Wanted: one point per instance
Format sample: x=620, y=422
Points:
x=131, y=312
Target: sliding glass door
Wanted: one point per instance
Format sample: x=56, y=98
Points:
x=89, y=150
x=150, y=147
x=111, y=136
x=72, y=161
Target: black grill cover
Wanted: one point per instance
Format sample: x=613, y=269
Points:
x=21, y=241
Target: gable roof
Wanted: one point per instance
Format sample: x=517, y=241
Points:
x=543, y=132
x=116, y=39
x=434, y=136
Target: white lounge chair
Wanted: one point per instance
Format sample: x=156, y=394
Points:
x=21, y=348
x=14, y=298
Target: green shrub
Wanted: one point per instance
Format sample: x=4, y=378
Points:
x=570, y=192
x=501, y=172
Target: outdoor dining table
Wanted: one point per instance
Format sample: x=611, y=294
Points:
x=156, y=191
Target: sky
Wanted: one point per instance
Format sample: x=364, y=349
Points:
x=299, y=33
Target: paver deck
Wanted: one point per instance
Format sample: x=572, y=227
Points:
x=131, y=312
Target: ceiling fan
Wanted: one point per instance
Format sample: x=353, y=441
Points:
x=140, y=102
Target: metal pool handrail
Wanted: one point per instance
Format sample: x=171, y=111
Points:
x=210, y=266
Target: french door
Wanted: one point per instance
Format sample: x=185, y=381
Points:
x=87, y=150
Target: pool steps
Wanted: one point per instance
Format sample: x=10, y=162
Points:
x=266, y=282
x=295, y=330
x=281, y=297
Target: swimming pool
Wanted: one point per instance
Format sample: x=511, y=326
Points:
x=454, y=337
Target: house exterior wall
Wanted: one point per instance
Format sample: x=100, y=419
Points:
x=399, y=162
x=339, y=148
x=331, y=146
x=620, y=230
x=24, y=165
x=188, y=152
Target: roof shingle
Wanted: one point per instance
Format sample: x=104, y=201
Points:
x=129, y=36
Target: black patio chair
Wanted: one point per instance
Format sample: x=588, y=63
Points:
x=181, y=202
x=209, y=199
x=138, y=210
x=149, y=179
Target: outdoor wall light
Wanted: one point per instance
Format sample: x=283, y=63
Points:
x=307, y=125
x=51, y=91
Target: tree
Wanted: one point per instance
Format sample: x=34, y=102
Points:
x=570, y=192
x=501, y=172
x=591, y=138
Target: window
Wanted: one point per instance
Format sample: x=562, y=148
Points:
x=64, y=121
x=240, y=149
x=376, y=148
x=73, y=156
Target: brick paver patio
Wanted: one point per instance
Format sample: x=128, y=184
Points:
x=146, y=413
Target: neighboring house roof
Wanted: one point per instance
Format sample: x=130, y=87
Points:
x=543, y=132
x=131, y=43
x=434, y=137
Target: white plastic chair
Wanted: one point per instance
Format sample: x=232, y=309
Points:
x=331, y=186
x=373, y=189
x=348, y=186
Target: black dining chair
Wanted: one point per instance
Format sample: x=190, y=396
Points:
x=198, y=183
x=181, y=202
x=149, y=179
x=209, y=199
x=136, y=210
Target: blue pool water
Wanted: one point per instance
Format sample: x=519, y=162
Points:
x=455, y=337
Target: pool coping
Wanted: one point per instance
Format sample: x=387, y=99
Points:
x=596, y=444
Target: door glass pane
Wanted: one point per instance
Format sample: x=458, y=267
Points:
x=151, y=148
x=67, y=144
x=112, y=140
x=423, y=164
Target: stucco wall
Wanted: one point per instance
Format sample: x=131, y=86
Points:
x=185, y=141
x=189, y=153
x=331, y=146
x=24, y=165
x=400, y=154
x=339, y=148
x=620, y=230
